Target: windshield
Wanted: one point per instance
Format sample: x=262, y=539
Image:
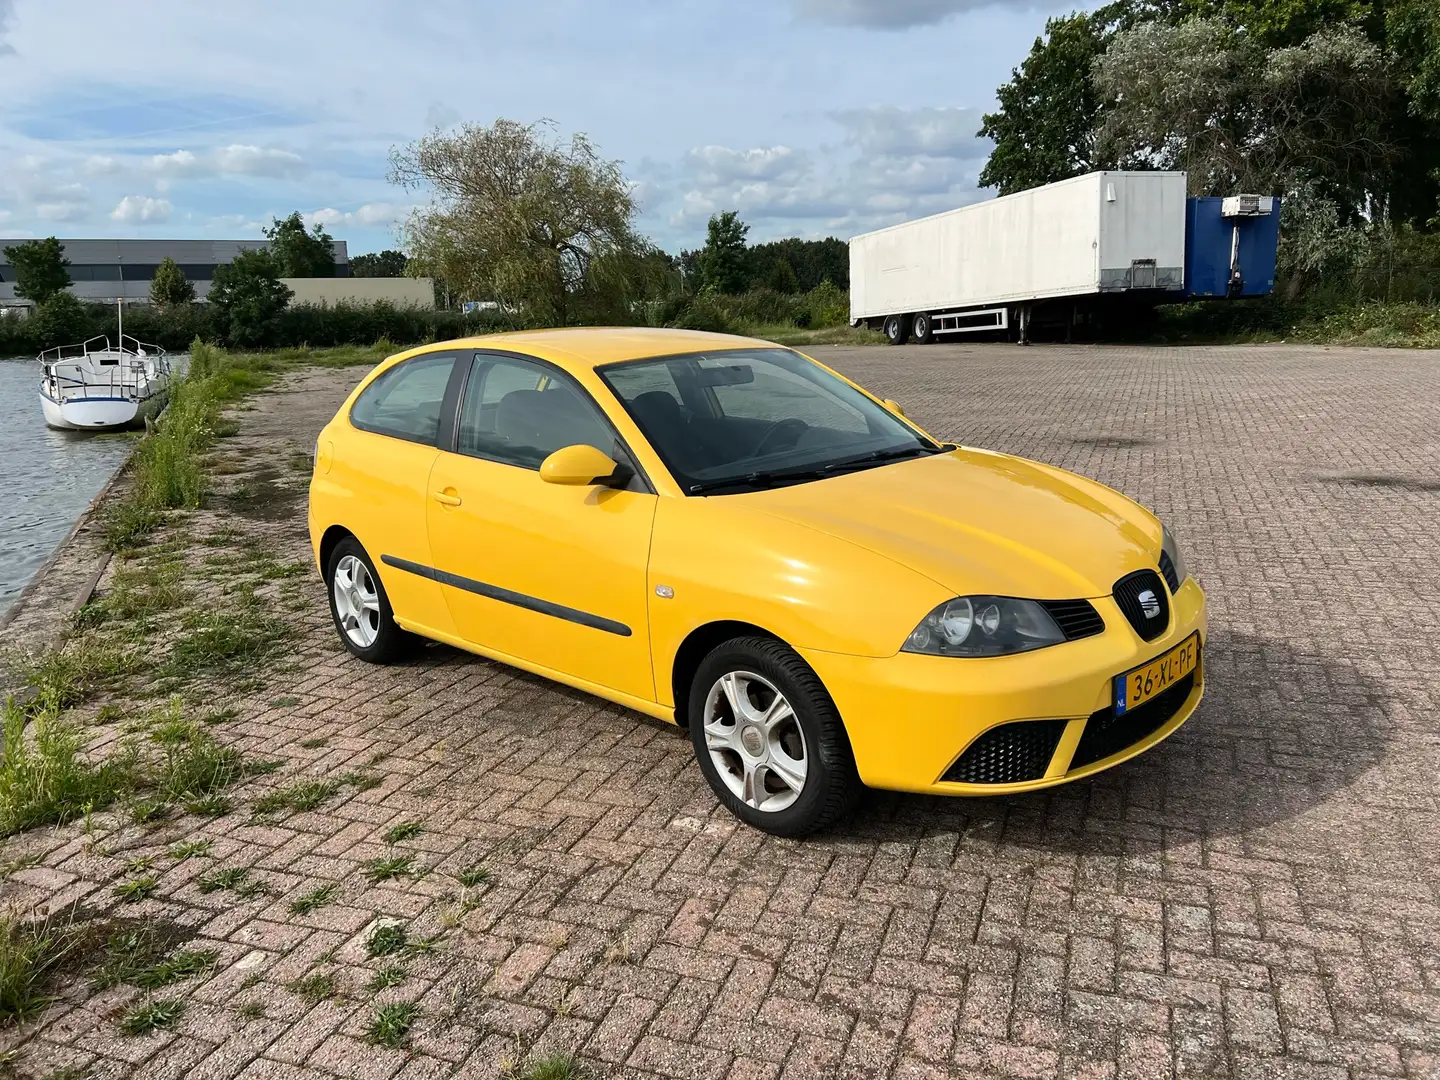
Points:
x=744, y=419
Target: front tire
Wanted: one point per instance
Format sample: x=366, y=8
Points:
x=897, y=329
x=360, y=608
x=769, y=740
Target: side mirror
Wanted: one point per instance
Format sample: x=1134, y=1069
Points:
x=893, y=406
x=577, y=466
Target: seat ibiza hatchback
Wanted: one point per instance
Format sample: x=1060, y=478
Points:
x=732, y=537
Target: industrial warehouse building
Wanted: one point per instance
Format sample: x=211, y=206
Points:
x=104, y=270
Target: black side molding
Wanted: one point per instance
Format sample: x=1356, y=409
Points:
x=506, y=596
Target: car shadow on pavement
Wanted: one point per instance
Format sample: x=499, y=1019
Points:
x=1280, y=731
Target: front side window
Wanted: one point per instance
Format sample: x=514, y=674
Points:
x=744, y=419
x=519, y=413
x=405, y=402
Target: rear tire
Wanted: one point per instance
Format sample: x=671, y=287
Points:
x=769, y=740
x=922, y=328
x=361, y=610
x=897, y=329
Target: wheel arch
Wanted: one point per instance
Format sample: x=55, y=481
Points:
x=696, y=646
x=332, y=536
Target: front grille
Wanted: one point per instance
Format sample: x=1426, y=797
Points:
x=1106, y=734
x=1008, y=754
x=1133, y=592
x=1076, y=618
x=1168, y=569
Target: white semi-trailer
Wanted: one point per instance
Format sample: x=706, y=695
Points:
x=1057, y=250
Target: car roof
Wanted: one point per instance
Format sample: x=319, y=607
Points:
x=582, y=347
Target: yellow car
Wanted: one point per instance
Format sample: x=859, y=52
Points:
x=729, y=536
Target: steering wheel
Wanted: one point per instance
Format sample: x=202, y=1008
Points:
x=773, y=433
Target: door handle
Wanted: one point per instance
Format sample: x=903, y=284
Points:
x=445, y=498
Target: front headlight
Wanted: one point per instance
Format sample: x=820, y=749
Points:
x=1171, y=550
x=983, y=626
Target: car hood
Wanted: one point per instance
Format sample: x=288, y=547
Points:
x=981, y=522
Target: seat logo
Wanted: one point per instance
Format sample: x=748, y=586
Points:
x=1149, y=603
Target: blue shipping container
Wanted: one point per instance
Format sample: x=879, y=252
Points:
x=1208, y=240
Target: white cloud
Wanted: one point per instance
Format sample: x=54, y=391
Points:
x=899, y=14
x=259, y=161
x=101, y=165
x=238, y=159
x=141, y=210
x=931, y=132
x=719, y=164
x=378, y=213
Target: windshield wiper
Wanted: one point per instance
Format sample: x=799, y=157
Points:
x=882, y=456
x=759, y=480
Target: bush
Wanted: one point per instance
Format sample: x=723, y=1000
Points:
x=61, y=320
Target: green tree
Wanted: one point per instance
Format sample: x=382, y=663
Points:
x=722, y=259
x=521, y=217
x=782, y=277
x=39, y=269
x=299, y=253
x=61, y=319
x=170, y=286
x=1045, y=127
x=249, y=296
x=389, y=263
x=1208, y=98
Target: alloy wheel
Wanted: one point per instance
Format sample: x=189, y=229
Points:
x=357, y=604
x=755, y=741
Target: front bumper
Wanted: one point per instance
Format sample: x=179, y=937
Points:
x=911, y=717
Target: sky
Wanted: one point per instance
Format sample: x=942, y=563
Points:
x=171, y=118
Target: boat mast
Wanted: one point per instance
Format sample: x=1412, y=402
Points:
x=120, y=306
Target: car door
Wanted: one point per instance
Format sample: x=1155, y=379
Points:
x=382, y=477
x=541, y=572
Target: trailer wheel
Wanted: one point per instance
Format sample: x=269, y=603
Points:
x=922, y=328
x=897, y=329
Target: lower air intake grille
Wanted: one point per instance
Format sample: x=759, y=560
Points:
x=1076, y=618
x=1008, y=754
x=1106, y=733
x=1144, y=602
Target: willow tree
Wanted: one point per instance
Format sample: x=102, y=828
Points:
x=520, y=216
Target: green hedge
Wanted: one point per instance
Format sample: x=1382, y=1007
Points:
x=175, y=328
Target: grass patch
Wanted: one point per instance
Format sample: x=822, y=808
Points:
x=136, y=889
x=315, y=988
x=226, y=642
x=475, y=875
x=14, y=866
x=254, y=1009
x=390, y=1025
x=184, y=964
x=316, y=898
x=235, y=879
x=44, y=780
x=386, y=939
x=390, y=867
x=296, y=796
x=314, y=744
x=549, y=1067
x=406, y=830
x=361, y=781
x=190, y=849
x=157, y=1015
x=34, y=954
x=388, y=976
x=285, y=703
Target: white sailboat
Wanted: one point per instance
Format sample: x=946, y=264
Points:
x=95, y=386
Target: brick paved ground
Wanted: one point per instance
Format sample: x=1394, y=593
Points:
x=1258, y=897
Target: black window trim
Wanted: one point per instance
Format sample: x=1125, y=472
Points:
x=450, y=441
x=447, y=400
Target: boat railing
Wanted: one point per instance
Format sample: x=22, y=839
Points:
x=137, y=369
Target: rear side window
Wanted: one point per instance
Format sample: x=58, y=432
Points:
x=406, y=401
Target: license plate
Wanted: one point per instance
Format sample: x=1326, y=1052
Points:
x=1136, y=687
